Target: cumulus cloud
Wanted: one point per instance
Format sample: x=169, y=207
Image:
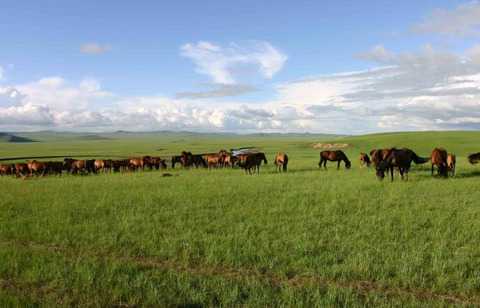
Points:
x=422, y=90
x=94, y=48
x=463, y=20
x=224, y=64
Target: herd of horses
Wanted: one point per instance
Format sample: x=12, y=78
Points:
x=384, y=160
x=250, y=162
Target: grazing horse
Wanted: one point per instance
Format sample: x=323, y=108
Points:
x=378, y=155
x=439, y=159
x=213, y=160
x=75, y=166
x=229, y=160
x=158, y=163
x=188, y=160
x=21, y=170
x=7, y=169
x=253, y=161
x=136, y=163
x=54, y=167
x=99, y=164
x=451, y=163
x=337, y=156
x=36, y=168
x=364, y=160
x=176, y=159
x=474, y=158
x=120, y=165
x=281, y=161
x=397, y=158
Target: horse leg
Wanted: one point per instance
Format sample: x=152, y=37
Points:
x=338, y=165
x=391, y=173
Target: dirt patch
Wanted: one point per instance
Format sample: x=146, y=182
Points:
x=328, y=146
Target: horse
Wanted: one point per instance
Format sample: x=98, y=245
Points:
x=397, y=158
x=158, y=163
x=7, y=169
x=213, y=160
x=75, y=166
x=188, y=160
x=99, y=164
x=364, y=160
x=120, y=165
x=377, y=155
x=21, y=170
x=253, y=161
x=36, y=168
x=451, y=163
x=136, y=163
x=439, y=159
x=54, y=167
x=176, y=159
x=337, y=156
x=281, y=161
x=474, y=158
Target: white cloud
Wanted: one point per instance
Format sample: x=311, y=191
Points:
x=225, y=65
x=427, y=89
x=94, y=48
x=463, y=20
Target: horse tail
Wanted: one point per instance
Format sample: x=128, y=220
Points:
x=419, y=160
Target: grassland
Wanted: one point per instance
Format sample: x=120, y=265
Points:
x=210, y=238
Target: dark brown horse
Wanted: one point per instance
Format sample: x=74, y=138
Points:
x=281, y=162
x=439, y=159
x=21, y=170
x=158, y=163
x=474, y=158
x=397, y=158
x=120, y=165
x=337, y=156
x=253, y=161
x=189, y=160
x=75, y=166
x=54, y=167
x=365, y=160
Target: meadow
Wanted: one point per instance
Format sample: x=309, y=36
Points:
x=308, y=237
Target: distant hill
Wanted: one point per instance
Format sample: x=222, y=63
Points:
x=8, y=137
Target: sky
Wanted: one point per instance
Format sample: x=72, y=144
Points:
x=344, y=67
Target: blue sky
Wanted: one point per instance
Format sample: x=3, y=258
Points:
x=246, y=66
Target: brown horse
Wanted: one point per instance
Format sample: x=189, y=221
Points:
x=188, y=159
x=136, y=163
x=397, y=158
x=99, y=164
x=37, y=168
x=75, y=166
x=451, y=163
x=377, y=155
x=337, y=156
x=281, y=161
x=21, y=170
x=213, y=160
x=364, y=160
x=7, y=169
x=253, y=161
x=439, y=159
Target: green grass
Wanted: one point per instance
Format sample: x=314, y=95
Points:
x=306, y=238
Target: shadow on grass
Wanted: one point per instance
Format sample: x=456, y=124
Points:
x=468, y=175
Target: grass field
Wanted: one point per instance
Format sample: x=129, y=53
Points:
x=221, y=238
